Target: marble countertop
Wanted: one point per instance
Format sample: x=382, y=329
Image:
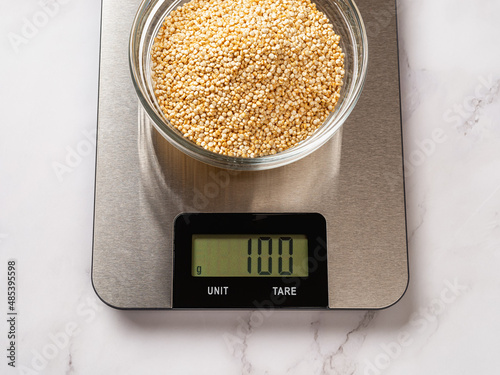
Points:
x=445, y=324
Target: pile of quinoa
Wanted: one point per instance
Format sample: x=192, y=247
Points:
x=247, y=78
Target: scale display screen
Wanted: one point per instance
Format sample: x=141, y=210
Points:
x=250, y=260
x=244, y=255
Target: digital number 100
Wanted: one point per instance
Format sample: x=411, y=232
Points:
x=264, y=256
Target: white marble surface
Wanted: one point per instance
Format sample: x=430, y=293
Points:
x=447, y=323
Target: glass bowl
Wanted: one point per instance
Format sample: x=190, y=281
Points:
x=347, y=23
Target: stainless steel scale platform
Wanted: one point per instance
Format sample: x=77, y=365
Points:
x=355, y=182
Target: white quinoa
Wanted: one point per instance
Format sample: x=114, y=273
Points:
x=247, y=78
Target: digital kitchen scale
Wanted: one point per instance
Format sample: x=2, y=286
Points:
x=325, y=232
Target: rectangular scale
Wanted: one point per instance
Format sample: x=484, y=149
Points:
x=349, y=194
x=251, y=260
